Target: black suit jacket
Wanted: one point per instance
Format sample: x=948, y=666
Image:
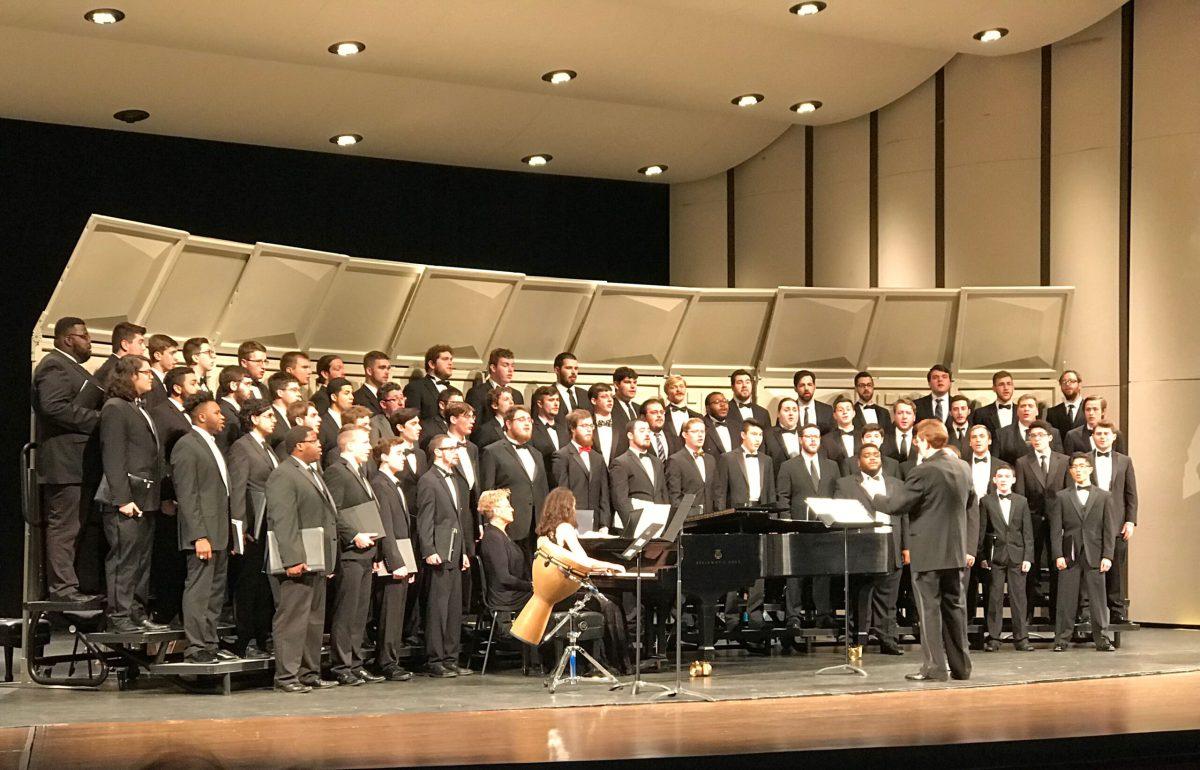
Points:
x=1008, y=445
x=349, y=488
x=890, y=467
x=757, y=413
x=581, y=399
x=833, y=448
x=104, y=373
x=733, y=485
x=823, y=412
x=1082, y=534
x=1057, y=417
x=963, y=443
x=924, y=407
x=1001, y=544
x=628, y=480
x=446, y=528
x=422, y=394
x=275, y=440
x=66, y=405
x=487, y=432
x=796, y=485
x=393, y=510
x=850, y=488
x=364, y=397
x=881, y=412
x=501, y=468
x=1123, y=488
x=587, y=480
x=249, y=468
x=943, y=513
x=431, y=427
x=158, y=390
x=327, y=434
x=774, y=445
x=1039, y=488
x=674, y=440
x=1080, y=440
x=993, y=463
x=683, y=478
x=319, y=399
x=201, y=493
x=712, y=445
x=891, y=447
x=989, y=415
x=233, y=426
x=132, y=455
x=477, y=397
x=506, y=571
x=295, y=502
x=542, y=442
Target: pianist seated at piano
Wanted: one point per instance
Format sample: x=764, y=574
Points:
x=557, y=524
x=509, y=585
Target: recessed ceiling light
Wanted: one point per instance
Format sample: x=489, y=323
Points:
x=747, y=100
x=558, y=77
x=540, y=159
x=347, y=48
x=804, y=108
x=131, y=116
x=104, y=16
x=654, y=169
x=346, y=140
x=990, y=35
x=807, y=9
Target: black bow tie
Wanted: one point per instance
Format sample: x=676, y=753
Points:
x=604, y=423
x=1103, y=454
x=755, y=455
x=1081, y=489
x=674, y=408
x=872, y=478
x=1004, y=406
x=521, y=446
x=981, y=459
x=1004, y=497
x=436, y=381
x=642, y=455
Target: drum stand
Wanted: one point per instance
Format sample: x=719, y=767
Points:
x=636, y=683
x=573, y=647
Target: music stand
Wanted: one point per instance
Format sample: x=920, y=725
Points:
x=671, y=534
x=635, y=551
x=846, y=515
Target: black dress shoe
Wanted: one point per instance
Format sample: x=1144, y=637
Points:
x=348, y=679
x=1105, y=646
x=397, y=674
x=1117, y=618
x=292, y=687
x=123, y=626
x=991, y=645
x=1060, y=648
x=149, y=625
x=461, y=671
x=825, y=621
x=252, y=652
x=1024, y=646
x=367, y=676
x=438, y=671
x=919, y=677
x=203, y=656
x=794, y=625
x=890, y=648
x=227, y=655
x=316, y=683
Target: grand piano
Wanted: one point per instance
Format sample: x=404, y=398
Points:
x=729, y=550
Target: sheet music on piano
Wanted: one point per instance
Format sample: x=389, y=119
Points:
x=652, y=513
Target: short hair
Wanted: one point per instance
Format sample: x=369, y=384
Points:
x=959, y=397
x=336, y=384
x=563, y=357
x=498, y=353
x=159, y=343
x=1109, y=424
x=489, y=499
x=323, y=364
x=439, y=441
x=690, y=422
x=121, y=384
x=971, y=432
x=289, y=359
x=230, y=375
x=862, y=374
x=355, y=413
x=633, y=425
x=513, y=410
x=738, y=373
x=279, y=381
x=800, y=430
x=906, y=401
x=1004, y=467
x=434, y=353
x=785, y=400
x=871, y=427
x=541, y=393
x=346, y=435
x=674, y=379
x=447, y=393
x=494, y=395
x=458, y=409
x=297, y=410
x=1103, y=402
x=1000, y=375
x=863, y=447
x=295, y=436
x=402, y=416
x=622, y=373
x=648, y=402
x=388, y=387
x=708, y=399
x=935, y=368
x=248, y=347
x=1080, y=456
x=1043, y=425
x=195, y=401
x=933, y=431
x=1026, y=397
x=191, y=349
x=577, y=416
x=597, y=389
x=176, y=377
x=839, y=400
x=751, y=423
x=254, y=407
x=125, y=332
x=1065, y=372
x=63, y=326
x=383, y=446
x=800, y=375
x=375, y=355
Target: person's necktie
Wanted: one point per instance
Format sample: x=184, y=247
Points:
x=814, y=472
x=903, y=447
x=938, y=411
x=807, y=416
x=1070, y=413
x=659, y=448
x=1045, y=465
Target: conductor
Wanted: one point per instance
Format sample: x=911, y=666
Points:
x=939, y=500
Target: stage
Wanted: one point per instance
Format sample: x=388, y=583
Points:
x=1155, y=676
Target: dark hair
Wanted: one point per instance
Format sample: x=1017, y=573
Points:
x=935, y=368
x=839, y=400
x=576, y=416
x=295, y=436
x=279, y=381
x=121, y=384
x=248, y=347
x=401, y=416
x=159, y=343
x=447, y=393
x=63, y=326
x=800, y=375
x=783, y=401
x=176, y=377
x=869, y=428
x=624, y=373
x=373, y=356
x=862, y=447
x=336, y=384
x=999, y=376
x=495, y=393
x=959, y=397
x=1103, y=402
x=648, y=402
x=435, y=352
x=558, y=507
x=125, y=332
x=289, y=359
x=708, y=399
x=383, y=446
x=1065, y=372
x=633, y=425
x=254, y=407
x=1043, y=425
x=191, y=348
x=1081, y=456
x=194, y=401
x=563, y=357
x=323, y=364
x=498, y=353
x=597, y=389
x=751, y=423
x=738, y=373
x=355, y=413
x=1109, y=424
x=388, y=387
x=297, y=410
x=511, y=414
x=862, y=374
x=458, y=409
x=541, y=393
x=230, y=375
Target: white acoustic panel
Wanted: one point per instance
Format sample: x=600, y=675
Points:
x=1018, y=329
x=820, y=329
x=721, y=331
x=914, y=330
x=631, y=325
x=111, y=273
x=459, y=308
x=197, y=288
x=363, y=308
x=275, y=298
x=543, y=319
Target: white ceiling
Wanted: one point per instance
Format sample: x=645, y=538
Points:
x=449, y=81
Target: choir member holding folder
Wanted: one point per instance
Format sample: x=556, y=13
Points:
x=396, y=549
x=251, y=461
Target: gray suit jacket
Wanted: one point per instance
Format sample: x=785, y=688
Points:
x=589, y=483
x=796, y=484
x=295, y=502
x=349, y=489
x=66, y=403
x=446, y=529
x=943, y=513
x=249, y=468
x=201, y=493
x=733, y=484
x=1082, y=534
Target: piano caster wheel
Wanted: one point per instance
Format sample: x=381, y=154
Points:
x=699, y=668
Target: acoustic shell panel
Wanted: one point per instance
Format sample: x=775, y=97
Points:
x=111, y=273
x=914, y=329
x=456, y=307
x=363, y=308
x=824, y=330
x=197, y=288
x=721, y=331
x=1027, y=342
x=543, y=319
x=632, y=325
x=275, y=298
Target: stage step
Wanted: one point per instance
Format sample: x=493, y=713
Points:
x=184, y=668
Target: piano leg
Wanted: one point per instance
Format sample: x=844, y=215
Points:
x=706, y=607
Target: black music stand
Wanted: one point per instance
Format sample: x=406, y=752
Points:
x=635, y=550
x=846, y=515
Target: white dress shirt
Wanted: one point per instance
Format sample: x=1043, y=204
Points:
x=647, y=465
x=526, y=457
x=677, y=417
x=216, y=453
x=1005, y=416
x=604, y=437
x=873, y=486
x=723, y=438
x=1005, y=509
x=745, y=410
x=1104, y=471
x=698, y=457
x=464, y=462
x=753, y=478
x=791, y=442
x=551, y=430
x=980, y=474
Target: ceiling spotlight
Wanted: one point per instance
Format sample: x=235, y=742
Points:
x=807, y=9
x=131, y=116
x=558, y=77
x=541, y=159
x=990, y=35
x=104, y=16
x=347, y=48
x=656, y=169
x=747, y=100
x=346, y=140
x=804, y=108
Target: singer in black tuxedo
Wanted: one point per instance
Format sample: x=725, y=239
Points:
x=1079, y=439
x=394, y=511
x=1064, y=419
x=1039, y=478
x=683, y=478
x=1006, y=545
x=794, y=486
x=628, y=480
x=584, y=473
x=501, y=467
x=1082, y=536
x=251, y=462
x=1122, y=486
x=733, y=485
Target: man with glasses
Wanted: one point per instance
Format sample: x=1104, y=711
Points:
x=1069, y=414
x=252, y=356
x=391, y=400
x=284, y=390
x=198, y=353
x=512, y=463
x=1082, y=536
